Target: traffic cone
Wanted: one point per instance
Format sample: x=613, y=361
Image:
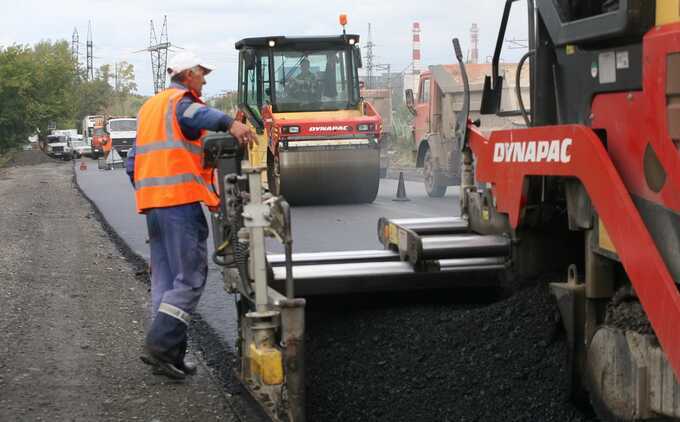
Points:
x=83, y=166
x=401, y=190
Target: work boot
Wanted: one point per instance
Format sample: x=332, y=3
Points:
x=182, y=363
x=188, y=367
x=166, y=344
x=161, y=367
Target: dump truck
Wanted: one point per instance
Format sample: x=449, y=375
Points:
x=319, y=140
x=122, y=132
x=100, y=141
x=587, y=195
x=434, y=108
x=87, y=130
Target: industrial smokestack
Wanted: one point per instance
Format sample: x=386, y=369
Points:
x=473, y=53
x=416, y=48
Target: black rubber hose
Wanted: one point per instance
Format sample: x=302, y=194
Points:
x=221, y=261
x=241, y=257
x=518, y=87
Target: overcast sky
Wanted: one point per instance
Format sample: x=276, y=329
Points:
x=211, y=27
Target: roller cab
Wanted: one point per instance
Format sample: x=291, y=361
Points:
x=319, y=140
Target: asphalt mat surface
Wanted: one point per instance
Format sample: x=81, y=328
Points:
x=446, y=357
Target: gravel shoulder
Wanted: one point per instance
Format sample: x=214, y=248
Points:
x=73, y=314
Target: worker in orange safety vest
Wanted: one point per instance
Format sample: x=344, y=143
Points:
x=165, y=166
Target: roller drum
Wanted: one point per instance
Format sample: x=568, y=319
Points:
x=329, y=176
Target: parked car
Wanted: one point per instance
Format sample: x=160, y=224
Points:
x=59, y=146
x=80, y=146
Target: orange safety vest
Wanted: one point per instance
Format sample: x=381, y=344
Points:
x=168, y=166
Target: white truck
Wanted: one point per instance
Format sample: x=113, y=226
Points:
x=58, y=145
x=87, y=129
x=122, y=131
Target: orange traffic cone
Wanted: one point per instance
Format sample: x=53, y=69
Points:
x=83, y=166
x=401, y=190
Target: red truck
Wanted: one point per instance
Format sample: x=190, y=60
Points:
x=435, y=107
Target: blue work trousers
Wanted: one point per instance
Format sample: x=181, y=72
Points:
x=179, y=261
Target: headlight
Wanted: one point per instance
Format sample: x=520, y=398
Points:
x=290, y=129
x=366, y=127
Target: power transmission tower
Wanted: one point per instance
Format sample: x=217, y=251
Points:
x=74, y=45
x=159, y=55
x=90, y=48
x=369, y=59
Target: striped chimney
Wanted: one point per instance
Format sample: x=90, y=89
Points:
x=416, y=48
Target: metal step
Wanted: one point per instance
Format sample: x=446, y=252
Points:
x=361, y=277
x=471, y=264
x=388, y=229
x=317, y=258
x=427, y=248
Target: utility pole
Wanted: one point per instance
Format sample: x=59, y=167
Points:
x=90, y=48
x=369, y=59
x=74, y=46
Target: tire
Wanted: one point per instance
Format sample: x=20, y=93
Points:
x=433, y=186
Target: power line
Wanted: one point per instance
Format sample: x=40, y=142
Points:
x=517, y=44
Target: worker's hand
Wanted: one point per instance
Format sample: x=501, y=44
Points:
x=242, y=133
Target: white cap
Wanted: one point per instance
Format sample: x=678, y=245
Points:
x=186, y=60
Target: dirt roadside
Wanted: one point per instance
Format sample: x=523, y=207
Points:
x=72, y=313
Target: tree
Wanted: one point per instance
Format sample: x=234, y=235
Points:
x=104, y=73
x=94, y=97
x=15, y=67
x=42, y=84
x=227, y=102
x=37, y=87
x=125, y=79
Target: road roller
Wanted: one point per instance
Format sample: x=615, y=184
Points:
x=319, y=140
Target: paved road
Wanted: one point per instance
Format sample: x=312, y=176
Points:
x=315, y=229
